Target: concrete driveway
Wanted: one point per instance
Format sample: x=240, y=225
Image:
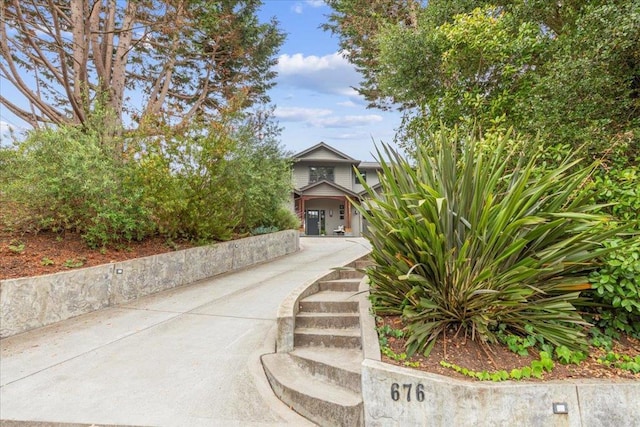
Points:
x=185, y=357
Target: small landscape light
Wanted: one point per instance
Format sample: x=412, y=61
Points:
x=560, y=408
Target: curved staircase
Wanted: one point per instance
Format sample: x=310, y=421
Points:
x=320, y=377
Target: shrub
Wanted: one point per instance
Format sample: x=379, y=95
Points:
x=214, y=179
x=69, y=180
x=284, y=219
x=617, y=284
x=617, y=289
x=263, y=230
x=460, y=242
x=189, y=183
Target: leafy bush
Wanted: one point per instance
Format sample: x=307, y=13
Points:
x=617, y=289
x=263, y=178
x=617, y=284
x=211, y=180
x=263, y=230
x=67, y=179
x=462, y=243
x=284, y=219
x=189, y=182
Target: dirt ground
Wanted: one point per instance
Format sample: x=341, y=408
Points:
x=469, y=354
x=45, y=253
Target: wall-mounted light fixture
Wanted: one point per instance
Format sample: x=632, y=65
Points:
x=330, y=212
x=560, y=408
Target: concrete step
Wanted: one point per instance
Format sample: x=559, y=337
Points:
x=329, y=302
x=337, y=365
x=320, y=401
x=351, y=274
x=327, y=320
x=327, y=337
x=361, y=264
x=340, y=285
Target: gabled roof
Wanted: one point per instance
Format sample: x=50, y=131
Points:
x=337, y=156
x=331, y=184
x=369, y=165
x=364, y=193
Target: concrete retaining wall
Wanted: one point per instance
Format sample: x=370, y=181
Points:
x=32, y=302
x=396, y=396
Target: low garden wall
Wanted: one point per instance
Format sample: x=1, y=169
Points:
x=32, y=302
x=395, y=396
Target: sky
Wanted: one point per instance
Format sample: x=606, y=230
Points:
x=314, y=98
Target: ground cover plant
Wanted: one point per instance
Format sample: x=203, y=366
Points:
x=466, y=245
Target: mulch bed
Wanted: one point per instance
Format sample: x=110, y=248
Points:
x=469, y=354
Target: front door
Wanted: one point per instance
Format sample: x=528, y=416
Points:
x=313, y=223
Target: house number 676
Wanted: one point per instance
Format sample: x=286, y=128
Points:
x=404, y=391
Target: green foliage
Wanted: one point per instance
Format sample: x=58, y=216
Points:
x=284, y=219
x=263, y=230
x=263, y=178
x=204, y=183
x=474, y=67
x=460, y=241
x=70, y=180
x=187, y=60
x=186, y=178
x=624, y=362
x=570, y=74
x=586, y=91
x=567, y=356
x=521, y=345
x=16, y=246
x=617, y=288
x=600, y=339
x=386, y=331
x=74, y=263
x=211, y=180
x=536, y=369
x=516, y=344
x=46, y=261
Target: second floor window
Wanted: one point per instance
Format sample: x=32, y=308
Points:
x=320, y=173
x=357, y=179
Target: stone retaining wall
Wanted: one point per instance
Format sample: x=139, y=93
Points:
x=32, y=302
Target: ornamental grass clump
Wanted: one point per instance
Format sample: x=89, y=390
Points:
x=464, y=243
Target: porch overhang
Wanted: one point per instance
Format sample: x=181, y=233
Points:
x=301, y=196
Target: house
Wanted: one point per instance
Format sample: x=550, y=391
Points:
x=324, y=180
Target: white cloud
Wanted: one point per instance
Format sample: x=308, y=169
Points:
x=349, y=104
x=329, y=74
x=5, y=126
x=324, y=118
x=354, y=136
x=295, y=114
x=8, y=132
x=347, y=121
x=298, y=7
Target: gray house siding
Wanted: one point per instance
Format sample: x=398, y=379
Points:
x=330, y=200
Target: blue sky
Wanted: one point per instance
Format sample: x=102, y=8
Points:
x=314, y=97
